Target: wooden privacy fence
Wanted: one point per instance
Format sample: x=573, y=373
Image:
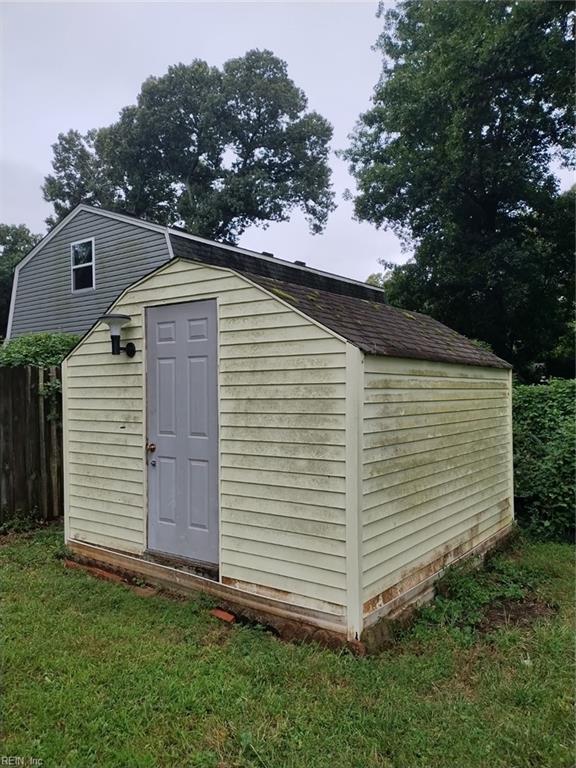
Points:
x=31, y=481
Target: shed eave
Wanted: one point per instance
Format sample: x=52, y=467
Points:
x=498, y=363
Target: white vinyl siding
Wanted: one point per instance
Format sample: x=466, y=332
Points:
x=436, y=465
x=345, y=479
x=282, y=383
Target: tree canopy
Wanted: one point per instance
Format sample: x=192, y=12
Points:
x=15, y=242
x=474, y=103
x=213, y=149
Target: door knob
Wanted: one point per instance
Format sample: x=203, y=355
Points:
x=153, y=462
x=150, y=447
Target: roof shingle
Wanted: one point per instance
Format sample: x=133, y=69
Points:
x=355, y=311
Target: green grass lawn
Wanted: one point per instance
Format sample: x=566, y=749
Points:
x=94, y=675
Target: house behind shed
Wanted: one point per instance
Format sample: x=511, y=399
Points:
x=284, y=440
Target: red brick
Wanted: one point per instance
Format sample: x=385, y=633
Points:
x=218, y=613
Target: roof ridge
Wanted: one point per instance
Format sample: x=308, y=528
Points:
x=173, y=232
x=354, y=310
x=269, y=266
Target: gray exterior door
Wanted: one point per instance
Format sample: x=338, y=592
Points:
x=182, y=423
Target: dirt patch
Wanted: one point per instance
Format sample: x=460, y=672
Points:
x=515, y=613
x=177, y=597
x=218, y=636
x=11, y=538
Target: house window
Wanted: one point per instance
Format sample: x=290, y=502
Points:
x=83, y=265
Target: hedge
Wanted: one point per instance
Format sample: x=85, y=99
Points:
x=544, y=418
x=40, y=349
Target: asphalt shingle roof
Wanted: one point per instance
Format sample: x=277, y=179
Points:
x=353, y=310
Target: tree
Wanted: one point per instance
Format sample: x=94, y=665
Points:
x=474, y=102
x=78, y=175
x=214, y=150
x=15, y=243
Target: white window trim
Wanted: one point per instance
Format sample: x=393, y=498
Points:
x=80, y=266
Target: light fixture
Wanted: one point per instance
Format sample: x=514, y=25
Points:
x=115, y=323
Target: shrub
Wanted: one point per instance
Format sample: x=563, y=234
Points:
x=20, y=521
x=40, y=349
x=544, y=458
x=467, y=589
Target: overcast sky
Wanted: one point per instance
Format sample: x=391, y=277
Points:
x=74, y=65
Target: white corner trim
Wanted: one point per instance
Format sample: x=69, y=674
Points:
x=65, y=447
x=169, y=245
x=354, y=499
x=511, y=448
x=12, y=304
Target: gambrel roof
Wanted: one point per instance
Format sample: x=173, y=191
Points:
x=356, y=311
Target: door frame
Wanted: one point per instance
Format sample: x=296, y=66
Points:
x=146, y=501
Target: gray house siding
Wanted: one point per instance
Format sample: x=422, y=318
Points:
x=44, y=299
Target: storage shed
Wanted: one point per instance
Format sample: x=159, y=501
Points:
x=283, y=439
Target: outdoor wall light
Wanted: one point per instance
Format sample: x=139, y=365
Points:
x=115, y=323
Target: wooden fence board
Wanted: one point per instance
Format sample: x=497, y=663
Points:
x=31, y=480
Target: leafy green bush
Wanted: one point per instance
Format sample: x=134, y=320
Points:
x=40, y=349
x=467, y=589
x=544, y=457
x=20, y=521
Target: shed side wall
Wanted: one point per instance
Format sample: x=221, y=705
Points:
x=124, y=253
x=282, y=438
x=436, y=467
